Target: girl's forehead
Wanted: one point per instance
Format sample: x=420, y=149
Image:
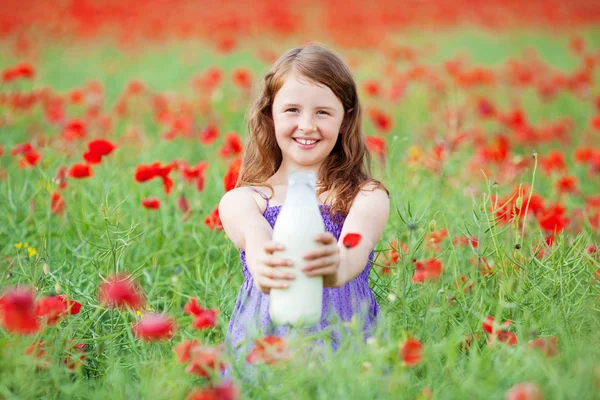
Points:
x=298, y=87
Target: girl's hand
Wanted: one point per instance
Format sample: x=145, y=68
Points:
x=324, y=260
x=266, y=276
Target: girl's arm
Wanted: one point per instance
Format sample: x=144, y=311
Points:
x=249, y=231
x=367, y=216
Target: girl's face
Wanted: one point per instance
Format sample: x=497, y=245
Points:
x=307, y=120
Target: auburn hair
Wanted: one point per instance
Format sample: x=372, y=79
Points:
x=347, y=169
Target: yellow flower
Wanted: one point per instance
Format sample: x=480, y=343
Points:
x=31, y=252
x=138, y=313
x=19, y=245
x=26, y=245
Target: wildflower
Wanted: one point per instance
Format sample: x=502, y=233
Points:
x=52, y=309
x=209, y=134
x=17, y=311
x=146, y=172
x=203, y=318
x=119, y=291
x=411, y=352
x=223, y=391
x=31, y=252
x=351, y=240
x=232, y=146
x=269, y=349
x=98, y=149
x=154, y=327
x=76, y=357
x=242, y=78
x=427, y=269
x=204, y=360
x=547, y=346
x=213, y=221
x=80, y=171
x=524, y=391
x=183, y=350
x=231, y=176
x=151, y=203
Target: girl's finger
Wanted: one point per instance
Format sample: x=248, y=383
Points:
x=320, y=263
x=271, y=247
x=274, y=273
x=328, y=270
x=320, y=252
x=272, y=283
x=275, y=261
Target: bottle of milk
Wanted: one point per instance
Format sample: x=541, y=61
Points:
x=298, y=223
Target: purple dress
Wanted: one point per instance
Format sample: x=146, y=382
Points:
x=250, y=318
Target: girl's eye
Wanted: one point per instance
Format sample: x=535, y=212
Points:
x=291, y=109
x=324, y=112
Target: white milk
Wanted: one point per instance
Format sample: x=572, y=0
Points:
x=298, y=223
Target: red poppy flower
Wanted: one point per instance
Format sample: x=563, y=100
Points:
x=37, y=350
x=213, y=221
x=76, y=357
x=195, y=173
x=145, y=172
x=382, y=121
x=351, y=240
x=242, y=78
x=183, y=350
x=427, y=269
x=224, y=391
x=80, y=171
x=183, y=206
x=154, y=327
x=524, y=391
x=377, y=146
x=151, y=203
x=17, y=311
x=372, y=88
x=269, y=349
x=30, y=159
x=22, y=70
x=209, y=134
x=203, y=318
x=57, y=204
x=232, y=146
x=231, y=177
x=120, y=291
x=52, y=309
x=61, y=178
x=411, y=352
x=547, y=345
x=552, y=219
x=554, y=161
x=73, y=307
x=74, y=129
x=204, y=360
x=567, y=184
x=97, y=149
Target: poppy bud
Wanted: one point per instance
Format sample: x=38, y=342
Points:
x=46, y=269
x=58, y=288
x=519, y=202
x=432, y=225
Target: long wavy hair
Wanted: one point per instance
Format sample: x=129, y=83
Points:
x=347, y=169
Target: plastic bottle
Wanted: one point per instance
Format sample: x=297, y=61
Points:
x=298, y=222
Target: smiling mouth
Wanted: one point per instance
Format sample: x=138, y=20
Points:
x=306, y=142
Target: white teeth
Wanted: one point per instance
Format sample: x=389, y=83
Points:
x=302, y=141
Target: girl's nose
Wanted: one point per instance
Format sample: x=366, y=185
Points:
x=307, y=125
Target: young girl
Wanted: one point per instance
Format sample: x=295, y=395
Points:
x=306, y=117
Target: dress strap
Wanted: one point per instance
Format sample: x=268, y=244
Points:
x=263, y=195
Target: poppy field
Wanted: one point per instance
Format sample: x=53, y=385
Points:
x=118, y=139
